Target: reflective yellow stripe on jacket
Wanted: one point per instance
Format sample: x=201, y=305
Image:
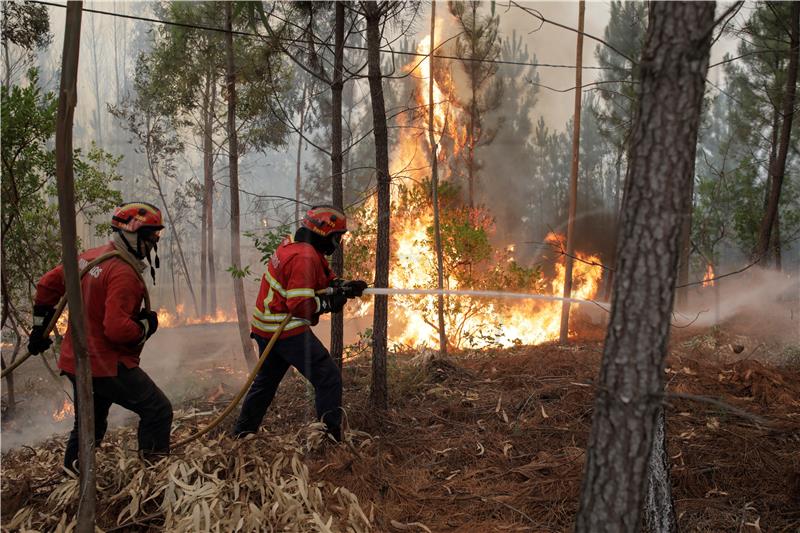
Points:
x=269, y=322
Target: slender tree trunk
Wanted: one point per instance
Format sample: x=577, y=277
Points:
x=174, y=232
x=379, y=395
x=337, y=193
x=773, y=154
x=7, y=80
x=615, y=220
x=473, y=112
x=685, y=249
x=573, y=181
x=437, y=234
x=298, y=179
x=66, y=213
x=98, y=101
x=657, y=194
x=207, y=162
x=116, y=57
x=778, y=168
x=210, y=186
x=776, y=242
x=233, y=150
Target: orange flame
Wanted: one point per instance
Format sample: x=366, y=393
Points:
x=708, y=279
x=166, y=319
x=470, y=322
x=66, y=409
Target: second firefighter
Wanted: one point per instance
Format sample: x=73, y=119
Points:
x=294, y=275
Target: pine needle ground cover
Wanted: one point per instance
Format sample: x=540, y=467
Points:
x=482, y=441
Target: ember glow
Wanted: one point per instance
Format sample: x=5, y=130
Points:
x=166, y=319
x=708, y=279
x=470, y=322
x=66, y=409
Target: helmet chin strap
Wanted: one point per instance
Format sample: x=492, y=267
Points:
x=139, y=255
x=157, y=262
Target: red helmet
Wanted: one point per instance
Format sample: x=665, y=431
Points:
x=325, y=220
x=137, y=215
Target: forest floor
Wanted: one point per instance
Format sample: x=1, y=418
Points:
x=482, y=441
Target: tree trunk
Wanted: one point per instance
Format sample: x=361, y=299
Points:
x=98, y=116
x=473, y=111
x=209, y=181
x=207, y=162
x=233, y=165
x=337, y=193
x=657, y=194
x=615, y=218
x=685, y=252
x=298, y=178
x=573, y=181
x=174, y=232
x=66, y=214
x=778, y=168
x=659, y=509
x=379, y=396
x=437, y=234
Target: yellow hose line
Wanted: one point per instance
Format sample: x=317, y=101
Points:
x=242, y=391
x=62, y=303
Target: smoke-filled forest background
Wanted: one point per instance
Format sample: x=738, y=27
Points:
x=151, y=114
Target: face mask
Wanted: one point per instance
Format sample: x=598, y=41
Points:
x=333, y=243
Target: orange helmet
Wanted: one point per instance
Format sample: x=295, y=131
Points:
x=325, y=220
x=137, y=215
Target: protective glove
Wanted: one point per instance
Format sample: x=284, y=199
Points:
x=354, y=288
x=37, y=342
x=332, y=303
x=148, y=320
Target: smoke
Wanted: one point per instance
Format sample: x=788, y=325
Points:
x=764, y=301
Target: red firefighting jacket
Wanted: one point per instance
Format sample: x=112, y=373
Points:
x=112, y=296
x=294, y=273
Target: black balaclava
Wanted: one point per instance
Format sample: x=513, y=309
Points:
x=324, y=245
x=136, y=251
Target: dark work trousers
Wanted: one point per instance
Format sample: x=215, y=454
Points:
x=133, y=389
x=307, y=354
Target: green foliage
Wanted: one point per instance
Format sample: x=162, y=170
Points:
x=625, y=32
x=737, y=142
x=31, y=239
x=267, y=242
x=26, y=25
x=239, y=273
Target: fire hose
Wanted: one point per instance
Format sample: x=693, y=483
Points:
x=236, y=399
x=62, y=303
x=344, y=290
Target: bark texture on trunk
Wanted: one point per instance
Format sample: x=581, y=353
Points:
x=778, y=168
x=233, y=165
x=66, y=213
x=337, y=193
x=657, y=195
x=573, y=180
x=379, y=395
x=659, y=509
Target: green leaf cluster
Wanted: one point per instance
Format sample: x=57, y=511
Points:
x=30, y=224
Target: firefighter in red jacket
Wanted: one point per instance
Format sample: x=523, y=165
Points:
x=294, y=274
x=117, y=328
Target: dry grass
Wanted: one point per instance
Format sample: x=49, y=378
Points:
x=480, y=442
